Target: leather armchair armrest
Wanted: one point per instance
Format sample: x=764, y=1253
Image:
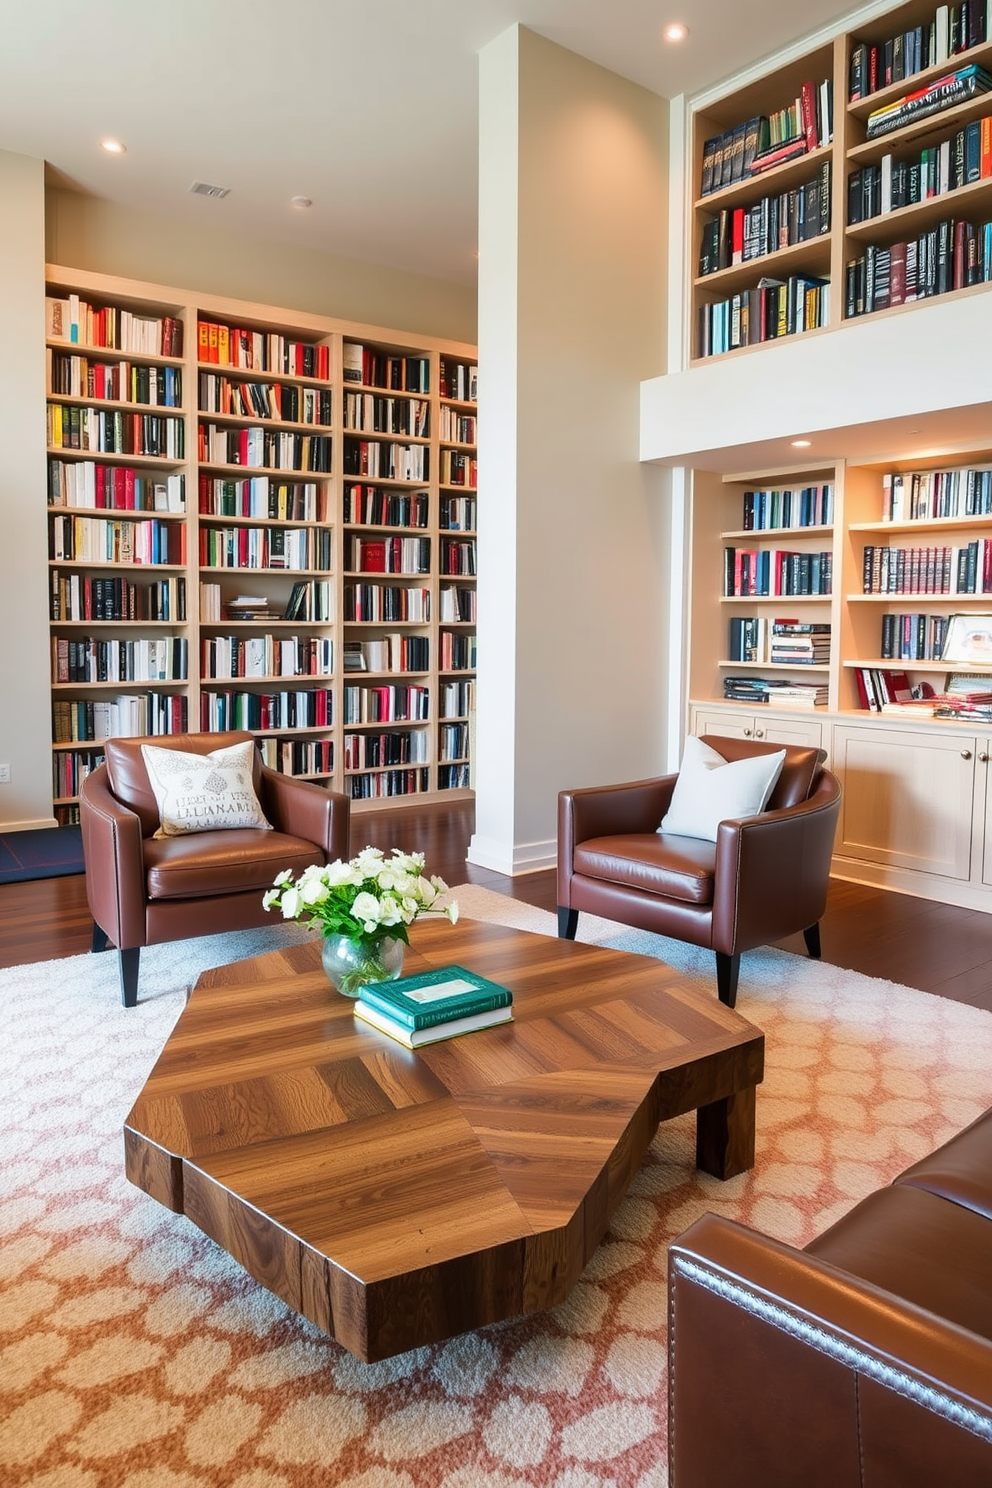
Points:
x=602, y=811
x=813, y=1376
x=303, y=809
x=115, y=864
x=772, y=870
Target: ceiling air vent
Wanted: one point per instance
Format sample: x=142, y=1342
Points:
x=203, y=188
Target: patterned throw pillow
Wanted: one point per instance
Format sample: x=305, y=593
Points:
x=203, y=792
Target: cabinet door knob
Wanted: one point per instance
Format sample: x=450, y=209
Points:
x=759, y=733
x=747, y=733
x=966, y=754
x=984, y=756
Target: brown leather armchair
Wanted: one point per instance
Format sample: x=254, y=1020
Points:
x=144, y=890
x=862, y=1361
x=764, y=878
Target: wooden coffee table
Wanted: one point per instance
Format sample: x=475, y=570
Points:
x=399, y=1197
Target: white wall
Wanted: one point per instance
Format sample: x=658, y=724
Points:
x=25, y=713
x=847, y=388
x=573, y=534
x=87, y=233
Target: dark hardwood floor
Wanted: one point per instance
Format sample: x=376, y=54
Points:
x=935, y=947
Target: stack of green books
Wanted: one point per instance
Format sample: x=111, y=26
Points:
x=435, y=1005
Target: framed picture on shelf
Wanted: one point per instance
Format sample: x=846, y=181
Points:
x=968, y=640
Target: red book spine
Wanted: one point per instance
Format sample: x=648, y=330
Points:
x=808, y=97
x=737, y=236
x=960, y=254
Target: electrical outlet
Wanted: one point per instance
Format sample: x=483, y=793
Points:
x=4, y=774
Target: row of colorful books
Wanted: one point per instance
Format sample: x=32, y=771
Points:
x=434, y=1005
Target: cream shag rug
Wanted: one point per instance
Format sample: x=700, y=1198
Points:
x=134, y=1352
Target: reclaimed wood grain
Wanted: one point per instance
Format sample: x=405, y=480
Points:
x=397, y=1197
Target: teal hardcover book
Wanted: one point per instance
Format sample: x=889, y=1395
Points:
x=435, y=997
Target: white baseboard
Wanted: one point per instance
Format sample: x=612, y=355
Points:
x=35, y=824
x=512, y=859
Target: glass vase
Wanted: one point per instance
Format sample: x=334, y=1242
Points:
x=350, y=963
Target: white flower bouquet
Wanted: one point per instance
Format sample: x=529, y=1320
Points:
x=371, y=899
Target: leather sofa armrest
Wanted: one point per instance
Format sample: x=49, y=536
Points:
x=302, y=809
x=115, y=865
x=773, y=870
x=603, y=811
x=784, y=1369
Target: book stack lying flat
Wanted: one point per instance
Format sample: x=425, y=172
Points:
x=799, y=695
x=434, y=1005
x=797, y=644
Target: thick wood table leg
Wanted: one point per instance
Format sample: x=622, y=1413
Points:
x=725, y=1135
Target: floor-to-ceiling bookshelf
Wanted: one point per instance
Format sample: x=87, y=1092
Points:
x=262, y=519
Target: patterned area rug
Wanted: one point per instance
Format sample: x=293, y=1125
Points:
x=134, y=1352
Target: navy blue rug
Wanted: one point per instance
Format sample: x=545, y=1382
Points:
x=50, y=853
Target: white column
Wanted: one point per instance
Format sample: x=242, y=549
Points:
x=573, y=542
x=25, y=710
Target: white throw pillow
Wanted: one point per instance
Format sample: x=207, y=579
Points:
x=202, y=792
x=710, y=789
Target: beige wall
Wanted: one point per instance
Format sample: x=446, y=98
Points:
x=87, y=233
x=573, y=546
x=25, y=714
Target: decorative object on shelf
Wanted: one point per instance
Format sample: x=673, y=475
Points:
x=362, y=908
x=968, y=639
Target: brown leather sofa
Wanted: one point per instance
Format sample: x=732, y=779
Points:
x=863, y=1361
x=144, y=890
x=765, y=877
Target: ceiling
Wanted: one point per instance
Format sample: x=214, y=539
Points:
x=367, y=107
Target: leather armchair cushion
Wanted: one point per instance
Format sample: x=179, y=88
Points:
x=918, y=1246
x=961, y=1170
x=681, y=868
x=240, y=860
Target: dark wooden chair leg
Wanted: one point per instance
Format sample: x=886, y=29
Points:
x=812, y=939
x=727, y=972
x=568, y=922
x=100, y=940
x=128, y=962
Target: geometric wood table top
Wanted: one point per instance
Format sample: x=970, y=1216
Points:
x=397, y=1197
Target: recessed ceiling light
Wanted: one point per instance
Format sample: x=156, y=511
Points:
x=300, y=203
x=113, y=147
x=675, y=31
x=801, y=443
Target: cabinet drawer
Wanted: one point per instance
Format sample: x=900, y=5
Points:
x=771, y=727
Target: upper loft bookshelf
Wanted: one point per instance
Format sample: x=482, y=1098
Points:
x=854, y=180
x=260, y=519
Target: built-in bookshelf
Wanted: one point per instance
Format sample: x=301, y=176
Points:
x=260, y=519
x=869, y=560
x=889, y=671
x=825, y=191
